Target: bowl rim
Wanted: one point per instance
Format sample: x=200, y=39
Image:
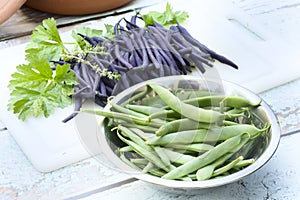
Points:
x=259, y=162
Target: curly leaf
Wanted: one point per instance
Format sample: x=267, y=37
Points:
x=45, y=42
x=36, y=90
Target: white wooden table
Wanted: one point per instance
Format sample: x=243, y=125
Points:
x=89, y=179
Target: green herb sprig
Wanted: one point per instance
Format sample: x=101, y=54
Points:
x=167, y=18
x=43, y=83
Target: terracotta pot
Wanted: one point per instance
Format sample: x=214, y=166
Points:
x=62, y=7
x=75, y=7
x=8, y=8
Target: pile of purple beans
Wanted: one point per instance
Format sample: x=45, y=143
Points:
x=151, y=51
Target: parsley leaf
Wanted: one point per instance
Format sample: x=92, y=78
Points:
x=167, y=18
x=45, y=42
x=36, y=90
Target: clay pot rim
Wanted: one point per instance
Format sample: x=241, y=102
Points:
x=75, y=7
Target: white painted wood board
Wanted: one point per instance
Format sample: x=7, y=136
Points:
x=264, y=60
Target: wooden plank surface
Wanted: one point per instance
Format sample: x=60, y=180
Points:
x=26, y=19
x=280, y=17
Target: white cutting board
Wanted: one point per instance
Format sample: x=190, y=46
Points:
x=264, y=62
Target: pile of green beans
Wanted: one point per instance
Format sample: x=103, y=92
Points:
x=187, y=134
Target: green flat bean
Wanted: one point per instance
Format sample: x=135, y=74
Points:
x=155, y=122
x=204, y=135
x=151, y=157
x=141, y=133
x=138, y=96
x=154, y=101
x=117, y=115
x=146, y=110
x=125, y=149
x=204, y=159
x=229, y=123
x=228, y=101
x=192, y=176
x=196, y=147
x=244, y=140
x=207, y=171
x=144, y=128
x=244, y=163
x=203, y=101
x=125, y=160
x=157, y=172
x=182, y=125
x=163, y=114
x=134, y=138
x=139, y=161
x=185, y=137
x=187, y=110
x=177, y=157
x=189, y=94
x=234, y=113
x=163, y=156
x=229, y=131
x=152, y=126
x=170, y=119
x=160, y=152
x=150, y=166
x=117, y=108
x=186, y=178
x=227, y=167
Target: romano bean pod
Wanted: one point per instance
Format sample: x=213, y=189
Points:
x=181, y=125
x=205, y=135
x=229, y=101
x=187, y=110
x=204, y=159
